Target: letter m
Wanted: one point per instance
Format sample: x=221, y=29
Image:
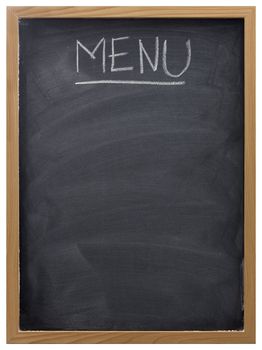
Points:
x=91, y=53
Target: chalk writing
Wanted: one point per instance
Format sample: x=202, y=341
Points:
x=144, y=58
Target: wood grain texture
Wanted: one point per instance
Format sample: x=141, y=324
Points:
x=14, y=335
x=12, y=177
x=249, y=178
x=132, y=12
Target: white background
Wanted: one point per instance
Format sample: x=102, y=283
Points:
x=3, y=4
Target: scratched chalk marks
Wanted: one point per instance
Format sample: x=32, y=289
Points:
x=142, y=53
x=131, y=192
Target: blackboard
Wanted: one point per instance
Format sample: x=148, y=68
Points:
x=131, y=136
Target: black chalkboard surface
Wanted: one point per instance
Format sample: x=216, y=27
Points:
x=131, y=174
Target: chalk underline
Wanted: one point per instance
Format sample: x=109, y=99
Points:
x=131, y=82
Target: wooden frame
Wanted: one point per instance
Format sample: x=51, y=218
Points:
x=14, y=335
